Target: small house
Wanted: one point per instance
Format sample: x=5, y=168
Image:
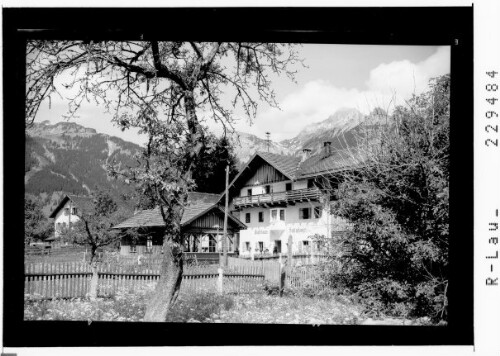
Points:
x=66, y=214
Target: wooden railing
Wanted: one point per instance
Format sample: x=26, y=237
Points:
x=279, y=197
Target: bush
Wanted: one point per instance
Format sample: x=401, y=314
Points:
x=396, y=249
x=203, y=307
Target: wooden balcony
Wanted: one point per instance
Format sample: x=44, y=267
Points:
x=278, y=198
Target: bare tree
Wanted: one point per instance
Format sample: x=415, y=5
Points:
x=160, y=87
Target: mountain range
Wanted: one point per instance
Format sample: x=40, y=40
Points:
x=340, y=129
x=69, y=158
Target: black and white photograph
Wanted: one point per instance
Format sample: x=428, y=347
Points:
x=178, y=179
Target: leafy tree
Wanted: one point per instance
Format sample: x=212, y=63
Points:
x=209, y=173
x=93, y=229
x=397, y=249
x=36, y=225
x=160, y=87
x=95, y=222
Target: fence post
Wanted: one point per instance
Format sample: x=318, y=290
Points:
x=290, y=254
x=219, y=281
x=282, y=278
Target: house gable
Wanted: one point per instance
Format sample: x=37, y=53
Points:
x=265, y=173
x=209, y=220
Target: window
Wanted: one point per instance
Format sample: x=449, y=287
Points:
x=247, y=246
x=310, y=183
x=212, y=244
x=304, y=213
x=288, y=187
x=318, y=210
x=274, y=214
x=74, y=211
x=247, y=217
x=66, y=211
x=268, y=189
x=261, y=216
x=149, y=244
x=305, y=246
x=249, y=192
x=133, y=249
x=59, y=226
x=261, y=246
x=277, y=246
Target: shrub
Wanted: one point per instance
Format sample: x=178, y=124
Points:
x=397, y=204
x=201, y=307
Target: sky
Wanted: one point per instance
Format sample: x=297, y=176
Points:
x=335, y=76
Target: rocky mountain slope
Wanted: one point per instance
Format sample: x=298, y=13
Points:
x=67, y=158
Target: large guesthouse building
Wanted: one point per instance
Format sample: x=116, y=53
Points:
x=281, y=198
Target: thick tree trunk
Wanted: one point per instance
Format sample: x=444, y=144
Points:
x=168, y=286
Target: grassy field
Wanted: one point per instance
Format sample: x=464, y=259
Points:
x=259, y=308
x=200, y=307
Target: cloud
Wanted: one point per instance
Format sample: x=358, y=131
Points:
x=405, y=77
x=388, y=84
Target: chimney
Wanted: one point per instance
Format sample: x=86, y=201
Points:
x=327, y=148
x=306, y=152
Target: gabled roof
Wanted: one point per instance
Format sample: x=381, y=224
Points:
x=288, y=165
x=337, y=161
x=198, y=205
x=294, y=168
x=81, y=202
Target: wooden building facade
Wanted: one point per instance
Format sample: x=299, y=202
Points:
x=202, y=225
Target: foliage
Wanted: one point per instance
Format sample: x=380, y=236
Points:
x=36, y=225
x=202, y=307
x=94, y=227
x=199, y=307
x=124, y=306
x=397, y=249
x=209, y=173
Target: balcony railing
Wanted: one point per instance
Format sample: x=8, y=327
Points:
x=290, y=196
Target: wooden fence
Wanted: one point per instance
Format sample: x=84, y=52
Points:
x=299, y=276
x=269, y=268
x=69, y=280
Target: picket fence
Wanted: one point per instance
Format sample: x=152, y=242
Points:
x=299, y=276
x=70, y=280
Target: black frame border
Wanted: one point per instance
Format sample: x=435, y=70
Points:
x=389, y=26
